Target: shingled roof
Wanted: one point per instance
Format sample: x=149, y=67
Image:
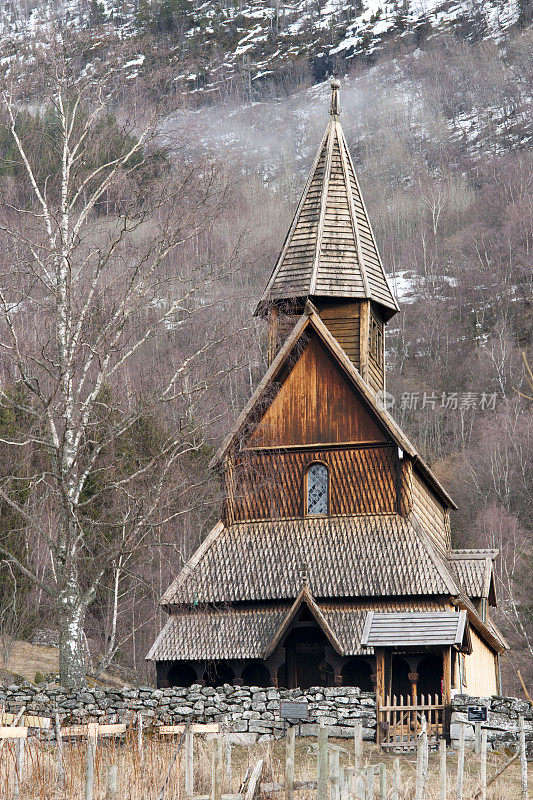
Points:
x=247, y=632
x=357, y=556
x=408, y=629
x=474, y=571
x=330, y=249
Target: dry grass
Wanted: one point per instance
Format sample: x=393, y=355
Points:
x=144, y=782
x=23, y=659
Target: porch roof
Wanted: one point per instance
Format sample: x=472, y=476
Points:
x=228, y=632
x=416, y=629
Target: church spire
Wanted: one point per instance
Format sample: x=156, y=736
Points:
x=330, y=250
x=335, y=107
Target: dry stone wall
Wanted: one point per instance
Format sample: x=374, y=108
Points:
x=502, y=720
x=249, y=711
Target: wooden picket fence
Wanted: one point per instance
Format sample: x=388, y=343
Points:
x=400, y=721
x=334, y=781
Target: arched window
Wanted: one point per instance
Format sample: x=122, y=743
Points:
x=317, y=489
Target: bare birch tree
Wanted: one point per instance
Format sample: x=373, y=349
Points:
x=92, y=283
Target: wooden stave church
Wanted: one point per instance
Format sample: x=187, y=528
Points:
x=332, y=563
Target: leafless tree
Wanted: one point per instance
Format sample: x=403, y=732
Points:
x=95, y=291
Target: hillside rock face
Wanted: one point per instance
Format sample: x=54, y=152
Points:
x=213, y=46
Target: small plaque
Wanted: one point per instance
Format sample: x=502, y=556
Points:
x=293, y=709
x=477, y=713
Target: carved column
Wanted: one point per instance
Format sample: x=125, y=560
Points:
x=274, y=662
x=413, y=677
x=337, y=662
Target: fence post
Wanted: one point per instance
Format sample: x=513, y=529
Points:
x=19, y=767
x=395, y=779
x=322, y=764
x=461, y=763
x=421, y=762
x=189, y=762
x=442, y=773
x=369, y=783
x=477, y=737
x=227, y=751
x=60, y=761
x=523, y=758
x=360, y=787
x=140, y=748
x=289, y=764
x=334, y=757
x=382, y=782
x=358, y=745
x=111, y=782
x=483, y=764
x=92, y=729
x=216, y=773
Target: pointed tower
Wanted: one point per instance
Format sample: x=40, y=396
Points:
x=330, y=256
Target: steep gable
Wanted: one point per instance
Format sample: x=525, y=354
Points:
x=315, y=404
x=263, y=397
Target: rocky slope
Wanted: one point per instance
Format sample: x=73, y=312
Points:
x=217, y=47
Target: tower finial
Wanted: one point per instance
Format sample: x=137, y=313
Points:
x=335, y=108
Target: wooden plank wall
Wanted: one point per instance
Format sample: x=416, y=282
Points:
x=263, y=484
x=481, y=677
x=343, y=320
x=315, y=405
x=430, y=512
x=376, y=360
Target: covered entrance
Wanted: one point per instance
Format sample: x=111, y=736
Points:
x=306, y=662
x=414, y=671
x=305, y=650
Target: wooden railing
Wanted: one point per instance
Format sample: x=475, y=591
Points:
x=400, y=720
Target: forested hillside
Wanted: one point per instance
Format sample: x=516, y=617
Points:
x=230, y=102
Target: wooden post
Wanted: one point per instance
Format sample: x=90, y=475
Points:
x=140, y=748
x=380, y=686
x=395, y=779
x=60, y=780
x=111, y=782
x=343, y=782
x=254, y=779
x=189, y=762
x=460, y=764
x=216, y=773
x=92, y=729
x=334, y=757
x=421, y=762
x=227, y=750
x=442, y=773
x=358, y=745
x=380, y=672
x=360, y=789
x=382, y=782
x=322, y=764
x=369, y=783
x=447, y=675
x=19, y=767
x=289, y=764
x=523, y=758
x=483, y=770
x=477, y=738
